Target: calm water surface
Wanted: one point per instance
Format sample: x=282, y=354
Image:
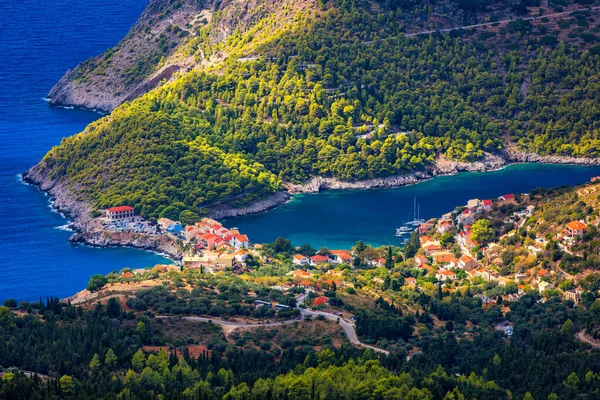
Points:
x=337, y=219
x=39, y=41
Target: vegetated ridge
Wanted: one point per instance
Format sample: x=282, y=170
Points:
x=335, y=92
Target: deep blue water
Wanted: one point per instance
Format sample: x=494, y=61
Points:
x=337, y=219
x=39, y=41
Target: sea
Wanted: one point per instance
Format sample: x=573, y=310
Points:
x=40, y=40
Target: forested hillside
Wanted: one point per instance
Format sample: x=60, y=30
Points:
x=341, y=91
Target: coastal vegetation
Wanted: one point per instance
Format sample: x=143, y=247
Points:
x=320, y=99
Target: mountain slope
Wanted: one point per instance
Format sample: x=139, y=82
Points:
x=339, y=91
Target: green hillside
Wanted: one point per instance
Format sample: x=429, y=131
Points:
x=341, y=92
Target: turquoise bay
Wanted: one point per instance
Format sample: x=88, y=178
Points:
x=337, y=219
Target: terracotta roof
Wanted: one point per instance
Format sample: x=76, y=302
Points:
x=577, y=226
x=320, y=301
x=127, y=274
x=487, y=202
x=299, y=257
x=242, y=238
x=120, y=209
x=319, y=257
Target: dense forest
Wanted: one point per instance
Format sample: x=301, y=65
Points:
x=343, y=94
x=106, y=352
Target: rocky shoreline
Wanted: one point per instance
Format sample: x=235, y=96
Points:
x=88, y=232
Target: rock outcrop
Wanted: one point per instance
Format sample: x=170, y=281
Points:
x=442, y=167
x=226, y=210
x=160, y=45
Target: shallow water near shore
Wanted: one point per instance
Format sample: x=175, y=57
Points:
x=337, y=219
x=40, y=41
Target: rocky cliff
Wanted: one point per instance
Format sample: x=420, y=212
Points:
x=170, y=36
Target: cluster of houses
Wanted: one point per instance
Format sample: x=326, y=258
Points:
x=447, y=267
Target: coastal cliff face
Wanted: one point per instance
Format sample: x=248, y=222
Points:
x=138, y=60
x=170, y=37
x=442, y=167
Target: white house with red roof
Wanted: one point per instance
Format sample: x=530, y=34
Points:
x=299, y=259
x=210, y=241
x=444, y=226
x=319, y=259
x=341, y=256
x=240, y=241
x=486, y=205
x=445, y=275
x=119, y=213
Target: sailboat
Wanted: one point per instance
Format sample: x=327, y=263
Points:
x=417, y=221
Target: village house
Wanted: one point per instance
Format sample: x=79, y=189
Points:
x=241, y=256
x=319, y=259
x=465, y=217
x=299, y=273
x=431, y=248
x=464, y=238
x=425, y=227
x=467, y=262
x=192, y=261
x=543, y=286
x=573, y=294
x=420, y=260
x=227, y=260
x=240, y=241
x=341, y=256
x=542, y=273
x=473, y=203
x=575, y=229
x=410, y=282
x=119, y=213
x=378, y=262
x=444, y=226
x=209, y=241
x=299, y=259
x=444, y=275
x=508, y=198
x=320, y=301
x=485, y=205
x=444, y=257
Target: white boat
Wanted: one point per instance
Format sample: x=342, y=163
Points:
x=400, y=233
x=416, y=211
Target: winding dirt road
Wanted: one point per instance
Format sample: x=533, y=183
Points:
x=586, y=339
x=347, y=327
